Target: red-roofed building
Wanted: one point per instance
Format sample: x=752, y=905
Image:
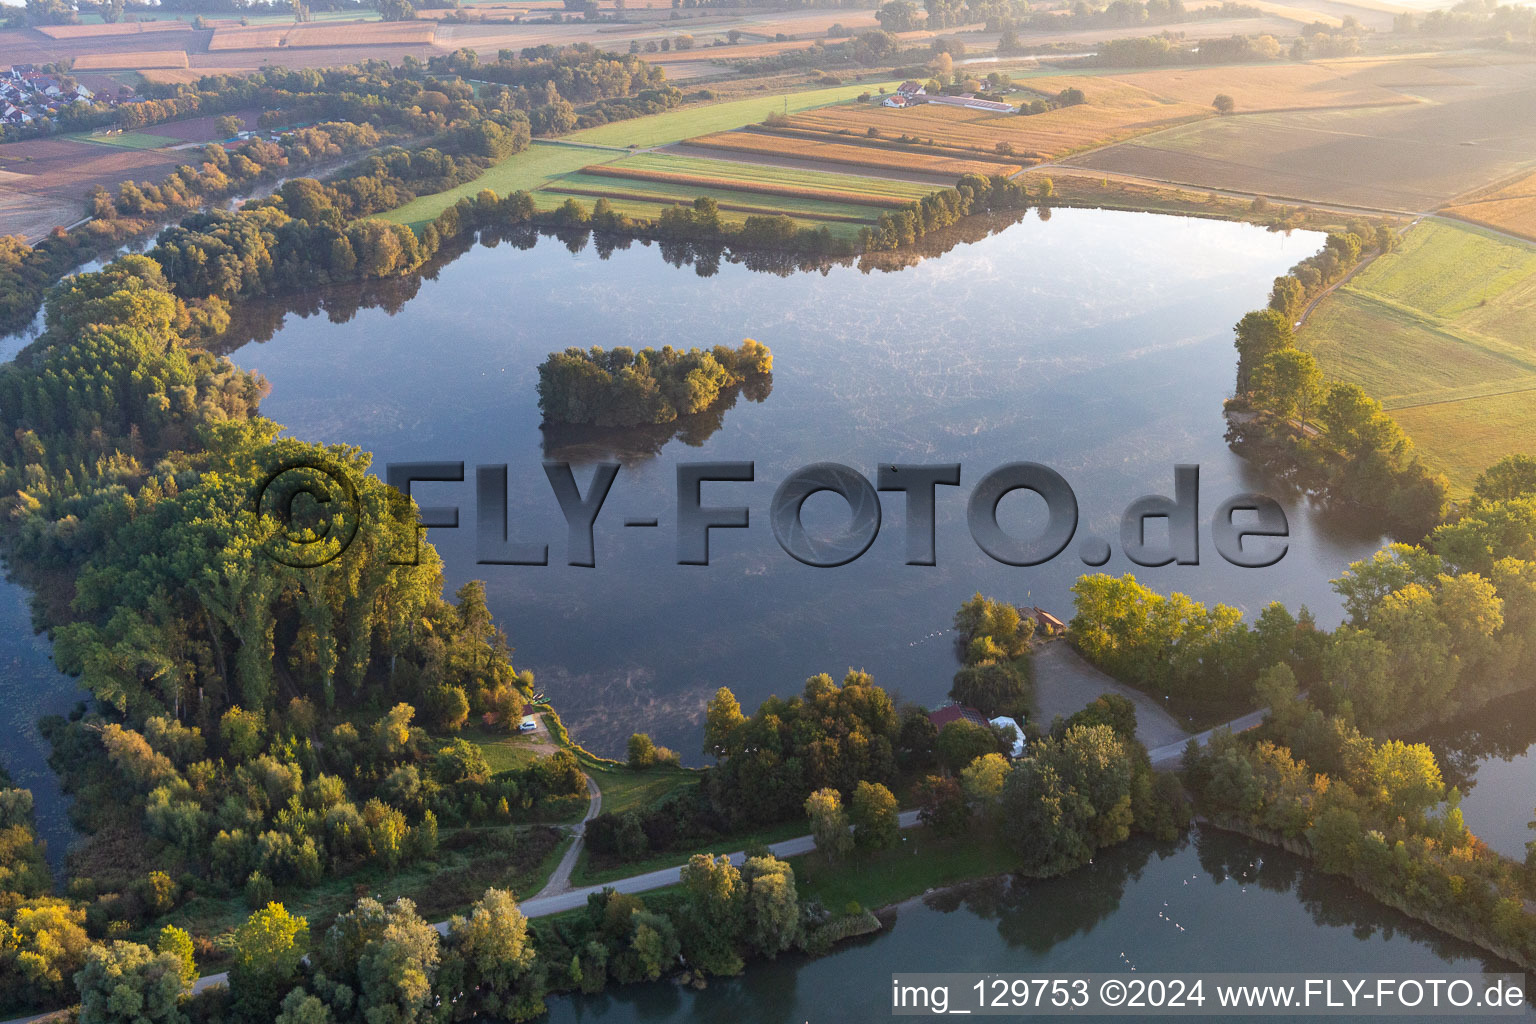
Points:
x=956, y=713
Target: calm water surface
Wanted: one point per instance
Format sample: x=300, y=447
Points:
x=1098, y=343
x=1215, y=902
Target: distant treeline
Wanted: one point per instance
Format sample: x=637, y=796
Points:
x=1161, y=50
x=557, y=88
x=621, y=387
x=359, y=108
x=26, y=271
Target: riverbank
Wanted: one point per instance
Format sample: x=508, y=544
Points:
x=1440, y=922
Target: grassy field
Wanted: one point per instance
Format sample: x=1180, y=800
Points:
x=762, y=178
x=528, y=170
x=919, y=861
x=127, y=140
x=677, y=125
x=1443, y=332
x=624, y=790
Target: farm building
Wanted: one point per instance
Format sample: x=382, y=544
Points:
x=911, y=90
x=1047, y=623
x=956, y=713
x=970, y=102
x=899, y=101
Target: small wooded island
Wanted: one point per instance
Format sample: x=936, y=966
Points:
x=624, y=388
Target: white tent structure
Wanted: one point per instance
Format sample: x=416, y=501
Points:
x=1004, y=722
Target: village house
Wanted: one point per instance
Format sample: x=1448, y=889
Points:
x=956, y=713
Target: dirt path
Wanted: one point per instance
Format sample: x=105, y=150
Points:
x=1065, y=683
x=560, y=878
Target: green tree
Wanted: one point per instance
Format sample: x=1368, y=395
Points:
x=772, y=905
x=265, y=952
x=984, y=777
x=829, y=823
x=993, y=687
x=378, y=963
x=126, y=983
x=178, y=943
x=1224, y=104
x=1066, y=799
x=1259, y=335
x=1407, y=778
x=489, y=965
x=1511, y=477
x=642, y=751
x=873, y=815
x=1289, y=384
x=715, y=913
x=962, y=742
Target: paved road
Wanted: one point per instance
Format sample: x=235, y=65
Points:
x=560, y=878
x=1165, y=756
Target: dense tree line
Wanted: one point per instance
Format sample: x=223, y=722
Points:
x=256, y=723
x=1433, y=631
x=627, y=388
x=1331, y=438
x=27, y=271
x=1174, y=646
x=973, y=193
x=1376, y=811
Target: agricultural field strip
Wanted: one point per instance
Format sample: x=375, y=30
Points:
x=654, y=178
x=545, y=200
x=1517, y=356
x=856, y=156
x=787, y=209
x=736, y=170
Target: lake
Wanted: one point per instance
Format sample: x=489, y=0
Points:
x=1097, y=343
x=1491, y=757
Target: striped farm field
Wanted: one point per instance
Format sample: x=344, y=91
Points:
x=338, y=33
x=727, y=200
x=698, y=172
x=643, y=209
x=131, y=61
x=824, y=151
x=117, y=29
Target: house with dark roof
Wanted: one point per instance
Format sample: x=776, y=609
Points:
x=956, y=713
